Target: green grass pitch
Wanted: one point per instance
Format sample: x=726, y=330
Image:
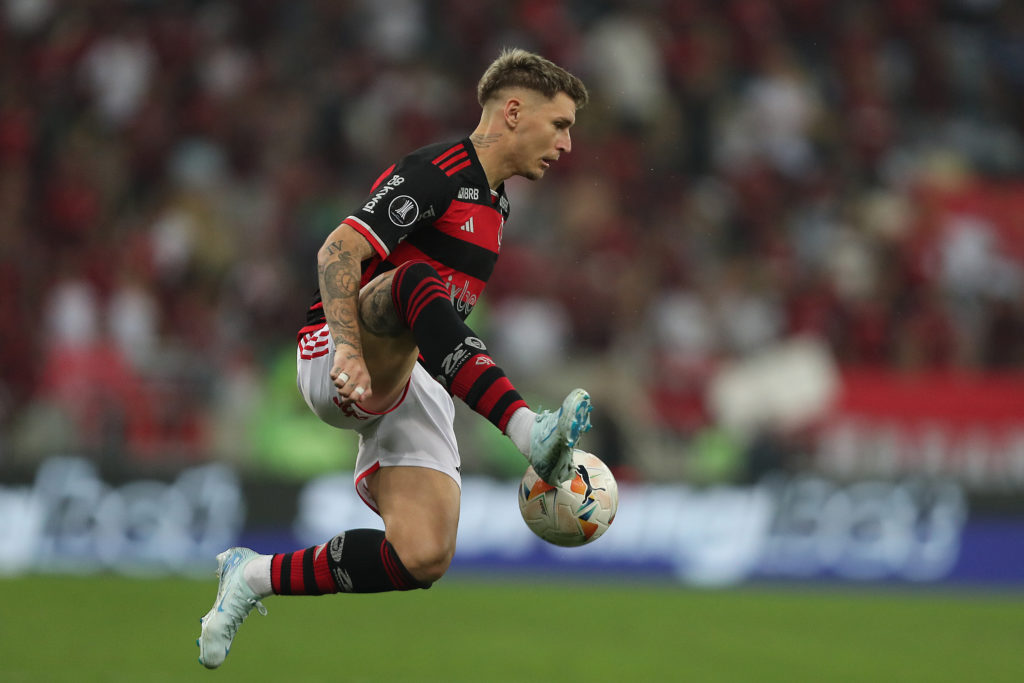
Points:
x=469, y=629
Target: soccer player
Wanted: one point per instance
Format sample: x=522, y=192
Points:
x=386, y=345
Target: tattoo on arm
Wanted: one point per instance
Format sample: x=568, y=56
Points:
x=339, y=290
x=335, y=247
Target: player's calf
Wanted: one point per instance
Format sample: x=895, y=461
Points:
x=357, y=561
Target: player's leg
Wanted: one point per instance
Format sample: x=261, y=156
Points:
x=407, y=469
x=354, y=561
x=420, y=509
x=457, y=357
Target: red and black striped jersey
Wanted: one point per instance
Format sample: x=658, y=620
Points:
x=434, y=205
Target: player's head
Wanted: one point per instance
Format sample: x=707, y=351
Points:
x=517, y=68
x=535, y=101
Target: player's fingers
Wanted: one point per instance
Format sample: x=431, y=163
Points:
x=363, y=391
x=356, y=389
x=353, y=399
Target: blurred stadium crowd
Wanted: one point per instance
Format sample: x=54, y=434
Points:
x=748, y=171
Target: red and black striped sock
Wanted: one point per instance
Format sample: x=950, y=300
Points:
x=451, y=350
x=356, y=561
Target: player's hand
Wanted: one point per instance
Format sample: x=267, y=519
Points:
x=351, y=378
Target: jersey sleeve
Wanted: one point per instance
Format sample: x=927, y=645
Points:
x=407, y=195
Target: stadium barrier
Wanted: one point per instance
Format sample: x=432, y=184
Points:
x=911, y=530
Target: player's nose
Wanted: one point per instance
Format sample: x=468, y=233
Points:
x=566, y=145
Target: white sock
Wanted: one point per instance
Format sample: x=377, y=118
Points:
x=518, y=429
x=257, y=575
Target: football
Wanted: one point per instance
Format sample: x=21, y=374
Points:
x=577, y=511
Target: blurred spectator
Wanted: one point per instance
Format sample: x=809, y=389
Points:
x=624, y=66
x=118, y=69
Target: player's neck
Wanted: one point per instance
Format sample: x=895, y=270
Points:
x=489, y=150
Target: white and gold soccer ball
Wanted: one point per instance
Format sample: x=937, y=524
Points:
x=577, y=511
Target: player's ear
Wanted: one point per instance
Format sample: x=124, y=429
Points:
x=513, y=109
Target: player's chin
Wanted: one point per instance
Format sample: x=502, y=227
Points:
x=539, y=172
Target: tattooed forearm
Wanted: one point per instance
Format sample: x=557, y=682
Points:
x=339, y=290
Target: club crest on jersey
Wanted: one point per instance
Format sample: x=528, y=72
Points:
x=403, y=211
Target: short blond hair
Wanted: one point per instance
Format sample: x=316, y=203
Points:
x=517, y=68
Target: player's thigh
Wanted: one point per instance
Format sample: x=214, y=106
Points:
x=420, y=509
x=389, y=348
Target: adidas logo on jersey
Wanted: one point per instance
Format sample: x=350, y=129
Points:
x=468, y=225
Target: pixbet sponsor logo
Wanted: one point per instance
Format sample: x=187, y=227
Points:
x=462, y=298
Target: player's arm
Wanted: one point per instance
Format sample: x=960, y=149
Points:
x=340, y=269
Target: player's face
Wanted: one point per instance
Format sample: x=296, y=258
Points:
x=543, y=132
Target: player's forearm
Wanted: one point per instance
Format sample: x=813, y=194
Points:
x=339, y=262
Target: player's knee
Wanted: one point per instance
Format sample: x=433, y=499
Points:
x=426, y=564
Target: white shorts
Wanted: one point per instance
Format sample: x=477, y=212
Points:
x=415, y=432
